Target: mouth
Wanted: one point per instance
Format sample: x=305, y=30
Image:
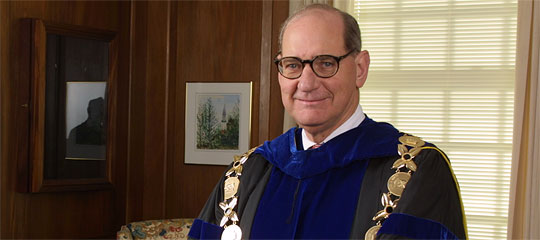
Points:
x=310, y=101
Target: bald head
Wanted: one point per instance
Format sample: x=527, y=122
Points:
x=351, y=30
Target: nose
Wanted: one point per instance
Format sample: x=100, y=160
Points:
x=308, y=81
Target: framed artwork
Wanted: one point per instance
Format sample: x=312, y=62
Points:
x=217, y=124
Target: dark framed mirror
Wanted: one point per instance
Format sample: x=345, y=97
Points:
x=72, y=78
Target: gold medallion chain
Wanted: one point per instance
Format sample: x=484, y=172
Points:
x=230, y=199
x=404, y=166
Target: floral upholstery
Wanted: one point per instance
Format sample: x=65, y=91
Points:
x=156, y=229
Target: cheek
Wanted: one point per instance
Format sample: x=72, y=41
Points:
x=341, y=90
x=288, y=87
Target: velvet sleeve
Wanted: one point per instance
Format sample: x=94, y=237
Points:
x=430, y=206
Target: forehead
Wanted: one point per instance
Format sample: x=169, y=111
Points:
x=313, y=33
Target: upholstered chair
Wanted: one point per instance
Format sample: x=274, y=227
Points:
x=156, y=229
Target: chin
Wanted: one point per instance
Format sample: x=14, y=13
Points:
x=309, y=123
x=309, y=117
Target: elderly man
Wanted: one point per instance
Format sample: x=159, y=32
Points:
x=340, y=174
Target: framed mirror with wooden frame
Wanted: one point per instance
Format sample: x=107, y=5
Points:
x=70, y=103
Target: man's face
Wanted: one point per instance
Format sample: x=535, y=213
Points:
x=320, y=105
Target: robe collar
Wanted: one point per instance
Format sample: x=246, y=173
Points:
x=369, y=140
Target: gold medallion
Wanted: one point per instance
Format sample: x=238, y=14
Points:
x=231, y=187
x=372, y=232
x=397, y=182
x=232, y=232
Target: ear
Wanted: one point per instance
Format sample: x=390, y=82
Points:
x=362, y=61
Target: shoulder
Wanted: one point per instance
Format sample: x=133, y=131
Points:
x=411, y=152
x=432, y=184
x=421, y=183
x=255, y=167
x=248, y=167
x=250, y=161
x=412, y=148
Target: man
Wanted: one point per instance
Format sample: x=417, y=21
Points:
x=338, y=175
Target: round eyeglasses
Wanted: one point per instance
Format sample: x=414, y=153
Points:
x=323, y=66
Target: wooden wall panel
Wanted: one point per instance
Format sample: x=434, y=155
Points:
x=221, y=41
x=163, y=45
x=172, y=189
x=148, y=110
x=280, y=12
x=91, y=214
x=218, y=41
x=264, y=75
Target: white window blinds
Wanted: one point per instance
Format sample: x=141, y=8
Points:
x=444, y=70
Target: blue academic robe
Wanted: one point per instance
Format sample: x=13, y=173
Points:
x=334, y=191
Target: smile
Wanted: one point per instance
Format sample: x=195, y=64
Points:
x=311, y=101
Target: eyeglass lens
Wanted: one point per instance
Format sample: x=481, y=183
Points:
x=323, y=66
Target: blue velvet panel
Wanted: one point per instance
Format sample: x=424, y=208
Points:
x=203, y=230
x=370, y=140
x=314, y=193
x=319, y=207
x=415, y=228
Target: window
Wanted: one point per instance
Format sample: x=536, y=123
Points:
x=444, y=70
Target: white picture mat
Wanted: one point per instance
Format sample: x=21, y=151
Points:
x=216, y=156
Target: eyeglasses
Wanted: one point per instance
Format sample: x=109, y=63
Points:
x=323, y=66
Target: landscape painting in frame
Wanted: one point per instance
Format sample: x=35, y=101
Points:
x=217, y=122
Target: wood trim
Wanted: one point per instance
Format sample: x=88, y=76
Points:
x=23, y=106
x=280, y=12
x=172, y=182
x=265, y=79
x=135, y=151
x=167, y=102
x=112, y=107
x=37, y=104
x=77, y=31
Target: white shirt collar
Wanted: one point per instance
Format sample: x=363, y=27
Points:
x=355, y=120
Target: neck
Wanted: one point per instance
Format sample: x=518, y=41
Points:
x=320, y=133
x=318, y=136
